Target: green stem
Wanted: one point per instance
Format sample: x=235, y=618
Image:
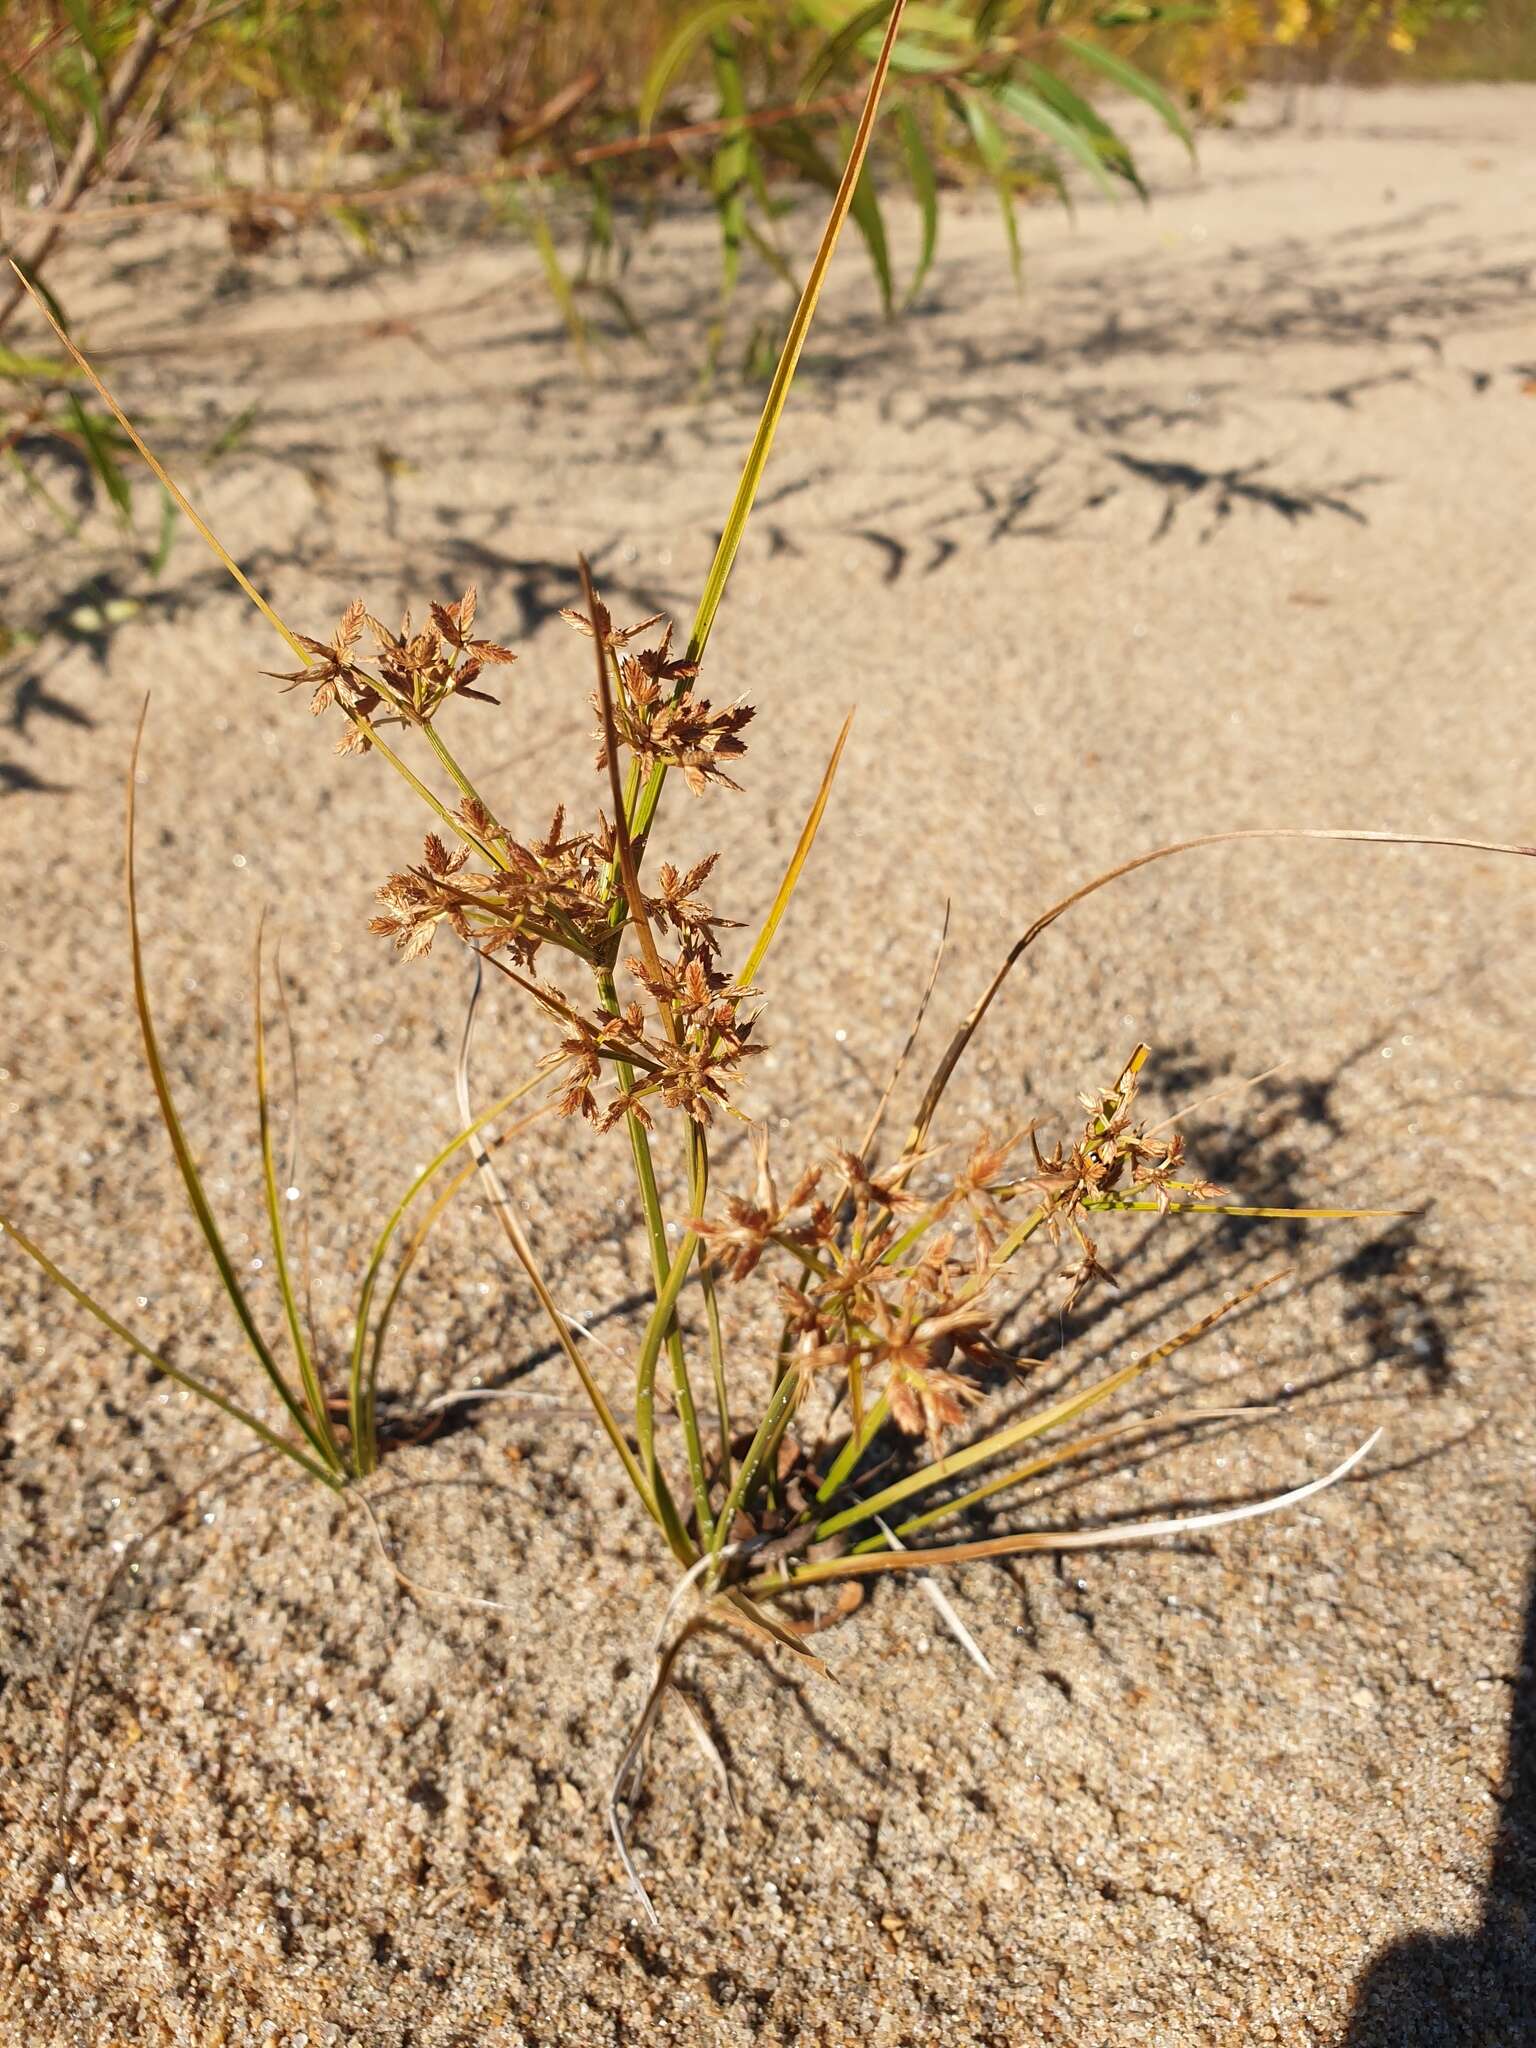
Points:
x=309, y=1378
x=858, y=1443
x=773, y=1416
x=662, y=1319
x=361, y=1384
x=661, y=1262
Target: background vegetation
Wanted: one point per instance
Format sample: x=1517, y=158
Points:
x=574, y=123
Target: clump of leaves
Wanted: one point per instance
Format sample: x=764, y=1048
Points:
x=889, y=1278
x=596, y=120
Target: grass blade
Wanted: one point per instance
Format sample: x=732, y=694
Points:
x=1055, y=111
x=1059, y=1539
x=797, y=862
x=419, y=1237
x=925, y=190
x=1067, y=1409
x=99, y=453
x=655, y=1501
x=186, y=1163
x=1061, y=1454
x=695, y=30
x=1242, y=1209
x=731, y=168
x=870, y=223
x=1130, y=79
x=955, y=1051
x=172, y=1372
x=359, y=1397
x=560, y=288
x=164, y=477
x=993, y=151
x=838, y=46
x=309, y=1378
x=789, y=357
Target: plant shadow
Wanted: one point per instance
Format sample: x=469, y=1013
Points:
x=1456, y=1990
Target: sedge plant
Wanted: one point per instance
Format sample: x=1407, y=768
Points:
x=844, y=1453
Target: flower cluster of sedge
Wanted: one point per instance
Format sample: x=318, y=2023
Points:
x=888, y=1289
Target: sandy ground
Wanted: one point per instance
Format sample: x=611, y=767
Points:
x=1228, y=519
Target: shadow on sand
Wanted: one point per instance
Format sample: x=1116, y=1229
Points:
x=1475, y=1990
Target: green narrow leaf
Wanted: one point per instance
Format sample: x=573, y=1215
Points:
x=1036, y=113
x=40, y=368
x=798, y=858
x=1071, y=105
x=1112, y=149
x=600, y=220
x=1131, y=80
x=172, y=1372
x=944, y=22
x=233, y=433
x=85, y=30
x=1112, y=1205
x=531, y=219
x=89, y=94
x=102, y=457
x=52, y=313
x=925, y=189
x=871, y=225
x=309, y=1378
x=783, y=376
x=1048, y=1540
x=993, y=151
x=169, y=517
x=695, y=30
x=1067, y=1409
x=838, y=45
x=186, y=1163
x=360, y=1386
x=730, y=167
x=32, y=482
x=58, y=134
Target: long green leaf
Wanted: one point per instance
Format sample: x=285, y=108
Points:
x=48, y=307
x=796, y=145
x=101, y=456
x=731, y=167
x=1132, y=80
x=925, y=190
x=163, y=1365
x=186, y=1163
x=360, y=1386
x=1048, y=1540
x=839, y=45
x=871, y=225
x=993, y=151
x=534, y=224
x=1065, y=1410
x=1035, y=112
x=40, y=368
x=695, y=30
x=1244, y=1209
x=798, y=858
x=314, y=1393
x=1047, y=1461
x=58, y=134
x=783, y=376
x=1074, y=109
